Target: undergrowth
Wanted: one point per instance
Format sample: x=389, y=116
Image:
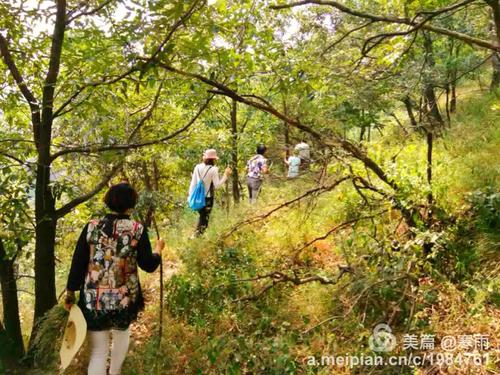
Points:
x=222, y=319
x=228, y=311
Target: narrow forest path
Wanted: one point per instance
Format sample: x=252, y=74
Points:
x=147, y=322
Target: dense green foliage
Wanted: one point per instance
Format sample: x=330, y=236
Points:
x=454, y=288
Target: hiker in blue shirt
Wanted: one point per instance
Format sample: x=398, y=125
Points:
x=293, y=162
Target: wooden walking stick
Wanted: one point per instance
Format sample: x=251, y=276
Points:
x=153, y=186
x=160, y=328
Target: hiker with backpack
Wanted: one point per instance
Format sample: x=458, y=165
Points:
x=104, y=269
x=204, y=181
x=304, y=153
x=293, y=162
x=256, y=168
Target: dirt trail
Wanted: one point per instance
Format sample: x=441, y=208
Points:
x=147, y=322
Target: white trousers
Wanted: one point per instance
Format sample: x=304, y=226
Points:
x=99, y=351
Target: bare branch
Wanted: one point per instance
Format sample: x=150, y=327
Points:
x=321, y=323
x=339, y=40
x=278, y=277
x=12, y=157
x=64, y=210
x=25, y=291
x=473, y=68
x=18, y=78
x=366, y=289
x=148, y=114
x=333, y=230
x=397, y=20
x=379, y=38
x=446, y=9
x=26, y=276
x=62, y=112
x=102, y=82
x=131, y=146
x=136, y=67
x=258, y=98
x=224, y=90
x=356, y=301
x=17, y=140
x=87, y=13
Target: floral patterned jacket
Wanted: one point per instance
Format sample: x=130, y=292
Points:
x=104, y=270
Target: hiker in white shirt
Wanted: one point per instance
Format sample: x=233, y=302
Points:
x=209, y=174
x=304, y=153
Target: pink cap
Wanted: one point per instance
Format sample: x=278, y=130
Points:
x=210, y=154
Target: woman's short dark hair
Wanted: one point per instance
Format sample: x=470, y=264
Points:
x=261, y=149
x=120, y=197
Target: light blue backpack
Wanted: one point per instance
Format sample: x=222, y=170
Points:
x=197, y=199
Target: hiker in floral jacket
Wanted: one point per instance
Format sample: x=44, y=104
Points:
x=256, y=168
x=104, y=270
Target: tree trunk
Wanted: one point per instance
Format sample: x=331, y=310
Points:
x=432, y=104
x=147, y=182
x=453, y=83
x=495, y=77
x=13, y=347
x=45, y=281
x=46, y=220
x=362, y=133
x=234, y=151
x=430, y=198
x=435, y=122
x=362, y=130
x=453, y=100
x=409, y=111
x=447, y=104
x=495, y=31
x=430, y=96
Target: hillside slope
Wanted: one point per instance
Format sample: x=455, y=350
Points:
x=254, y=297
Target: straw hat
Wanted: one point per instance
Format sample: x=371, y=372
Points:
x=210, y=154
x=74, y=335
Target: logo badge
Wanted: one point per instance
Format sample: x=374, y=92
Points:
x=382, y=339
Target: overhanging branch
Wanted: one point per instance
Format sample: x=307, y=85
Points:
x=64, y=210
x=131, y=146
x=279, y=277
x=404, y=21
x=136, y=67
x=72, y=16
x=18, y=78
x=348, y=146
x=12, y=157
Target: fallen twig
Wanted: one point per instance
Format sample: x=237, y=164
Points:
x=280, y=277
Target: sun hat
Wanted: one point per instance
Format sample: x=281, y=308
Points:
x=210, y=154
x=74, y=335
